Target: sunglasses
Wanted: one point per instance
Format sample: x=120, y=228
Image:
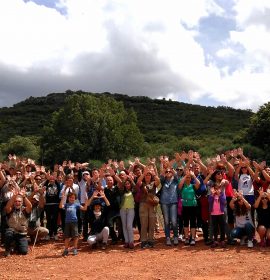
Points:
x=243, y=167
x=168, y=171
x=177, y=169
x=264, y=198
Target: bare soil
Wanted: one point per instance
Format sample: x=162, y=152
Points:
x=161, y=262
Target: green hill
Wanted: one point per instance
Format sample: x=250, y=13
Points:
x=158, y=119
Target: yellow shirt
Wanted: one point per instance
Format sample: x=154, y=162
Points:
x=128, y=201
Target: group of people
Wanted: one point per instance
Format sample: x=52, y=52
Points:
x=227, y=197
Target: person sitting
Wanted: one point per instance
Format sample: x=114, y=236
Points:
x=18, y=211
x=97, y=219
x=243, y=221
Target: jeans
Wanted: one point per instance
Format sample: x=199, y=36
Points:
x=169, y=212
x=51, y=217
x=240, y=232
x=127, y=217
x=101, y=236
x=21, y=242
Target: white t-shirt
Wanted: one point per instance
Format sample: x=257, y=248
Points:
x=76, y=189
x=245, y=184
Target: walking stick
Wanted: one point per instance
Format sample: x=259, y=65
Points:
x=35, y=239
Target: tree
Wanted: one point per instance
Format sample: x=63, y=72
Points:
x=258, y=132
x=22, y=146
x=91, y=127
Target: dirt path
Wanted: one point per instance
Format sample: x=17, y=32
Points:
x=161, y=262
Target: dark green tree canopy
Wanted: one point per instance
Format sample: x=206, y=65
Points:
x=258, y=132
x=90, y=127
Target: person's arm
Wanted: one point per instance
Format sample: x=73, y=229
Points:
x=266, y=175
x=196, y=180
x=10, y=204
x=2, y=178
x=236, y=174
x=259, y=198
x=28, y=204
x=181, y=183
x=62, y=201
x=232, y=202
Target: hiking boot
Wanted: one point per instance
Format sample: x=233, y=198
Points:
x=144, y=245
x=75, y=252
x=175, y=241
x=7, y=253
x=168, y=241
x=186, y=241
x=151, y=244
x=214, y=244
x=65, y=253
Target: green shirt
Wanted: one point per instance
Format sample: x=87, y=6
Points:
x=188, y=195
x=128, y=202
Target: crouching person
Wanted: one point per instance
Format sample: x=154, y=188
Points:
x=98, y=222
x=35, y=230
x=18, y=211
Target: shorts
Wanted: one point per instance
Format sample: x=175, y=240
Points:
x=71, y=230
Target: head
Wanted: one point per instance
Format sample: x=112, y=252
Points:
x=127, y=185
x=244, y=169
x=168, y=173
x=86, y=175
x=122, y=175
x=18, y=202
x=69, y=180
x=264, y=199
x=196, y=169
x=109, y=181
x=95, y=174
x=38, y=179
x=148, y=177
x=217, y=176
x=71, y=197
x=97, y=207
x=180, y=171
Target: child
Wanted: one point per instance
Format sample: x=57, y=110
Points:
x=71, y=220
x=217, y=204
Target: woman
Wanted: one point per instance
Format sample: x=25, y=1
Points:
x=148, y=184
x=169, y=203
x=244, y=225
x=189, y=203
x=262, y=206
x=127, y=212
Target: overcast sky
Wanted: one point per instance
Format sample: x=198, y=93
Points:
x=207, y=52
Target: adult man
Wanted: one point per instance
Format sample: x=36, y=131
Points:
x=18, y=210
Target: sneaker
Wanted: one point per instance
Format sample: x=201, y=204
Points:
x=231, y=242
x=192, y=242
x=214, y=244
x=7, y=253
x=186, y=241
x=103, y=246
x=151, y=244
x=243, y=240
x=209, y=242
x=131, y=245
x=144, y=245
x=223, y=244
x=65, y=253
x=175, y=241
x=180, y=237
x=250, y=244
x=168, y=241
x=75, y=252
x=56, y=238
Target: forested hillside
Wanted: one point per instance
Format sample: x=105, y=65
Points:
x=158, y=119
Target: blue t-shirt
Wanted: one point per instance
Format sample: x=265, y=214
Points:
x=71, y=208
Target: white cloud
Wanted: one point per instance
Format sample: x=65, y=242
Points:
x=133, y=47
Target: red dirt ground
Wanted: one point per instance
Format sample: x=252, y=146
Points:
x=116, y=262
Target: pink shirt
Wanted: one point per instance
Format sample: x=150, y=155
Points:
x=216, y=206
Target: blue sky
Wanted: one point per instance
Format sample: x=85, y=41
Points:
x=214, y=54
